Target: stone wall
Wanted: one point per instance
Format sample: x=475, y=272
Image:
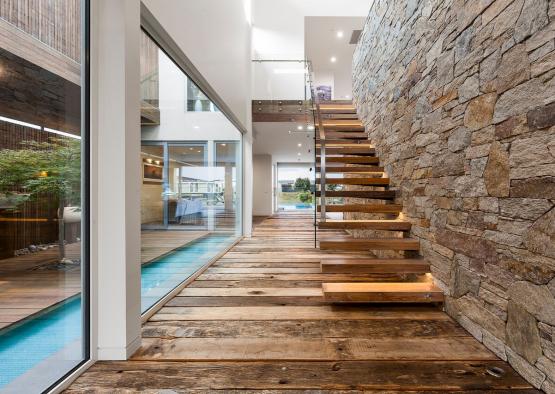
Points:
x=459, y=99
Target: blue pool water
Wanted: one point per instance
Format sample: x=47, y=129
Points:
x=160, y=277
x=26, y=345
x=45, y=346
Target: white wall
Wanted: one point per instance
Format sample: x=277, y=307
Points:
x=215, y=36
x=176, y=124
x=278, y=26
x=262, y=185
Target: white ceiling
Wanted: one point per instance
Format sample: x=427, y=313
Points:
x=321, y=43
x=273, y=138
x=295, y=29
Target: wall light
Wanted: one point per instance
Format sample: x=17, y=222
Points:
x=339, y=34
x=333, y=59
x=299, y=127
x=299, y=145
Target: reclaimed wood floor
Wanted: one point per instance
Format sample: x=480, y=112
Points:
x=255, y=322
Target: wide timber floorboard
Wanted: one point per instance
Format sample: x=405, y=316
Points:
x=255, y=322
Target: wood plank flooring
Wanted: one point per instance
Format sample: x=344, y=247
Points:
x=32, y=282
x=256, y=322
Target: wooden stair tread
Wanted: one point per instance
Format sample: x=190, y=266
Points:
x=363, y=181
x=337, y=265
x=344, y=169
x=377, y=224
x=348, y=151
x=375, y=194
x=346, y=144
x=337, y=109
x=346, y=135
x=368, y=208
x=370, y=244
x=382, y=292
x=353, y=160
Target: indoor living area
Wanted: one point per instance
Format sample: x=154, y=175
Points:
x=293, y=196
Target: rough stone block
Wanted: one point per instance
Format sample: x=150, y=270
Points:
x=542, y=117
x=540, y=237
x=496, y=174
x=535, y=299
x=522, y=333
x=524, y=368
x=479, y=112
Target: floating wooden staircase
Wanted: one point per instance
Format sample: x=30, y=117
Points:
x=352, y=171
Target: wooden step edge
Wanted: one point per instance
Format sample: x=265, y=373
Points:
x=386, y=225
x=363, y=208
x=383, y=266
x=371, y=181
x=376, y=292
x=370, y=244
x=366, y=194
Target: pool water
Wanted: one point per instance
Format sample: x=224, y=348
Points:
x=44, y=336
x=41, y=349
x=163, y=275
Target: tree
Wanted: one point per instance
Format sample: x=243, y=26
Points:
x=302, y=184
x=305, y=197
x=42, y=169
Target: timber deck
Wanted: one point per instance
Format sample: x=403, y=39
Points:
x=33, y=282
x=256, y=321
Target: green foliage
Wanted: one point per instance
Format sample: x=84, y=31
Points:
x=42, y=168
x=302, y=184
x=305, y=197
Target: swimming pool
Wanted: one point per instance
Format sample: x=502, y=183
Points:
x=164, y=274
x=41, y=349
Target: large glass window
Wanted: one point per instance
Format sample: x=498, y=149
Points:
x=295, y=186
x=43, y=270
x=191, y=186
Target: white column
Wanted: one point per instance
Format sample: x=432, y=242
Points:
x=212, y=171
x=115, y=179
x=247, y=185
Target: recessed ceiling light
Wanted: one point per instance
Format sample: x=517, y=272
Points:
x=224, y=144
x=333, y=59
x=347, y=96
x=289, y=131
x=311, y=127
x=339, y=34
x=299, y=127
x=196, y=127
x=299, y=145
x=299, y=153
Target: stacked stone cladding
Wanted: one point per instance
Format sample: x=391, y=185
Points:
x=458, y=98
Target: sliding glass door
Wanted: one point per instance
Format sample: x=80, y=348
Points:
x=191, y=186
x=43, y=193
